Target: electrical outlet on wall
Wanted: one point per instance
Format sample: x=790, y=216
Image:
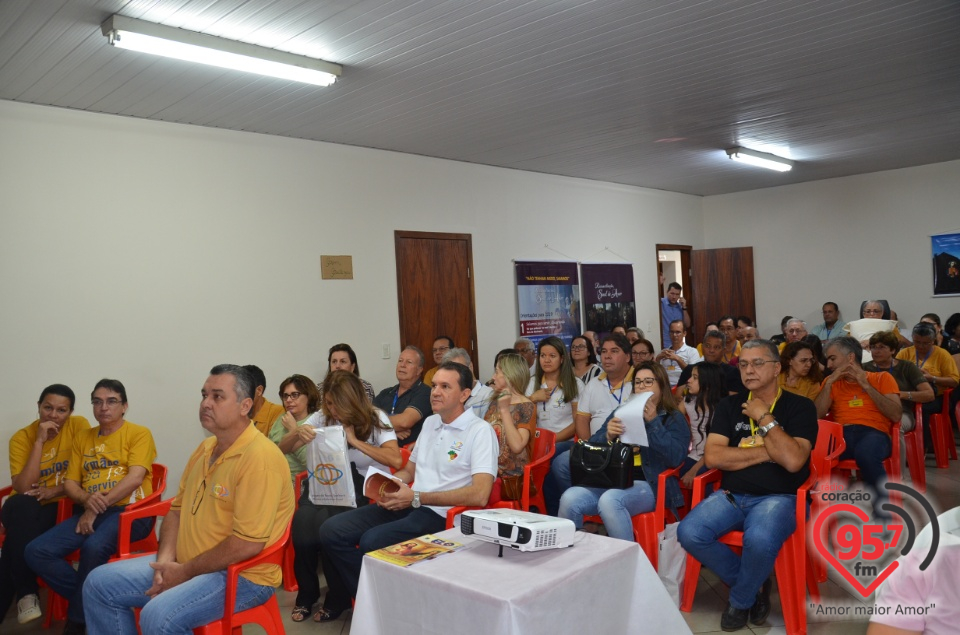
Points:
x=385, y=351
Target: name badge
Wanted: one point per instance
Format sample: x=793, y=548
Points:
x=855, y=403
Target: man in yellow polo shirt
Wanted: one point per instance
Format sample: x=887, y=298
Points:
x=234, y=500
x=264, y=412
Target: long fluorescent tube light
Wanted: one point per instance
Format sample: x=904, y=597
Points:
x=190, y=46
x=760, y=159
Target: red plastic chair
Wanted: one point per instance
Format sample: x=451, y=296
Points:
x=647, y=526
x=267, y=615
x=941, y=431
x=914, y=447
x=790, y=567
x=824, y=458
x=891, y=464
x=544, y=447
x=56, y=604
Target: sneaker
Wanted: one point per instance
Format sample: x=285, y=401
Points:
x=28, y=608
x=733, y=619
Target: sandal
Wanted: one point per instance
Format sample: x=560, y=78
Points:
x=299, y=613
x=326, y=615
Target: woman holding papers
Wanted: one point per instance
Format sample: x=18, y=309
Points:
x=668, y=437
x=372, y=443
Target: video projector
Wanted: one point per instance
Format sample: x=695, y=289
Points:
x=516, y=529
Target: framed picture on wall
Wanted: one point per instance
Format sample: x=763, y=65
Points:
x=946, y=264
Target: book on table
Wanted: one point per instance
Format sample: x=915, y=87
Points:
x=415, y=550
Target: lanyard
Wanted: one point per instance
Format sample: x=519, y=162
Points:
x=547, y=400
x=753, y=424
x=618, y=397
x=396, y=396
x=916, y=357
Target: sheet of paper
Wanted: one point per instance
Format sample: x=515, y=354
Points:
x=631, y=414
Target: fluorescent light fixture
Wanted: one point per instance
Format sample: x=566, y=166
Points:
x=760, y=159
x=190, y=46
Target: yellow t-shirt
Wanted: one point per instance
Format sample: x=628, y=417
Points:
x=939, y=364
x=55, y=456
x=428, y=376
x=245, y=493
x=267, y=414
x=99, y=463
x=806, y=387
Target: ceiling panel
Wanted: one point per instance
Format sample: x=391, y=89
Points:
x=626, y=91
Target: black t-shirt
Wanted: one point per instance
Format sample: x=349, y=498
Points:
x=798, y=417
x=731, y=377
x=418, y=398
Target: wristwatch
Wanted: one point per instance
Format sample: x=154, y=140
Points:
x=764, y=430
x=416, y=499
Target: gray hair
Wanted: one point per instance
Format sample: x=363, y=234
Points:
x=416, y=350
x=766, y=345
x=246, y=383
x=716, y=335
x=458, y=354
x=795, y=321
x=524, y=340
x=634, y=329
x=925, y=329
x=847, y=345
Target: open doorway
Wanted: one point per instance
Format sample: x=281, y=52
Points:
x=673, y=265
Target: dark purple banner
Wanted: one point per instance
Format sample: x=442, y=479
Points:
x=608, y=296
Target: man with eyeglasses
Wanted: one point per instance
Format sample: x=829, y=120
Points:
x=678, y=355
x=111, y=465
x=793, y=331
x=480, y=395
x=234, y=499
x=713, y=345
x=526, y=349
x=441, y=345
x=408, y=403
x=761, y=441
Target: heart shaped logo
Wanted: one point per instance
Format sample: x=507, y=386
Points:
x=865, y=591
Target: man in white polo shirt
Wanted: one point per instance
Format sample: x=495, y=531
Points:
x=605, y=392
x=678, y=355
x=453, y=463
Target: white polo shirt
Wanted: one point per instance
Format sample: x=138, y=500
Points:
x=555, y=414
x=599, y=398
x=686, y=353
x=447, y=455
x=479, y=400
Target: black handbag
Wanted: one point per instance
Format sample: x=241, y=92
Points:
x=604, y=466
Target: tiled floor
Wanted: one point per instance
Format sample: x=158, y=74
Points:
x=943, y=490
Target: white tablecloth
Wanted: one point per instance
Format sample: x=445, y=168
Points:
x=600, y=585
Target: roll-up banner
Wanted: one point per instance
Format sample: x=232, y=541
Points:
x=548, y=300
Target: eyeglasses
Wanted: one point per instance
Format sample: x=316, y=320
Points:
x=198, y=497
x=441, y=349
x=646, y=382
x=757, y=363
x=110, y=403
x=640, y=354
x=578, y=347
x=524, y=350
x=290, y=395
x=795, y=331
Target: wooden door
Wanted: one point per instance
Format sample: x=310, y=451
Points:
x=722, y=283
x=435, y=291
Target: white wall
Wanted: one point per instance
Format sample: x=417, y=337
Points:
x=149, y=252
x=844, y=240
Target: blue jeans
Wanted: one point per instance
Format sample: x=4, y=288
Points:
x=47, y=554
x=766, y=523
x=615, y=506
x=371, y=527
x=558, y=479
x=869, y=447
x=113, y=590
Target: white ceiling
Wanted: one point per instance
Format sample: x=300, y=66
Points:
x=626, y=91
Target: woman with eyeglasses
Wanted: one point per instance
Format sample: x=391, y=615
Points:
x=799, y=370
x=300, y=399
x=372, y=443
x=668, y=435
x=554, y=389
x=342, y=357
x=584, y=359
x=39, y=457
x=914, y=387
x=641, y=351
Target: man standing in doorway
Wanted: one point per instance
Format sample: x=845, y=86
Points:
x=672, y=308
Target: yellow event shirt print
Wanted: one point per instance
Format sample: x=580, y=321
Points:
x=104, y=461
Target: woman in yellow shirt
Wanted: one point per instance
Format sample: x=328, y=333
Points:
x=39, y=456
x=799, y=370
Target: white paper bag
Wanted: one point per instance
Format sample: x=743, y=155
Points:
x=671, y=561
x=328, y=469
